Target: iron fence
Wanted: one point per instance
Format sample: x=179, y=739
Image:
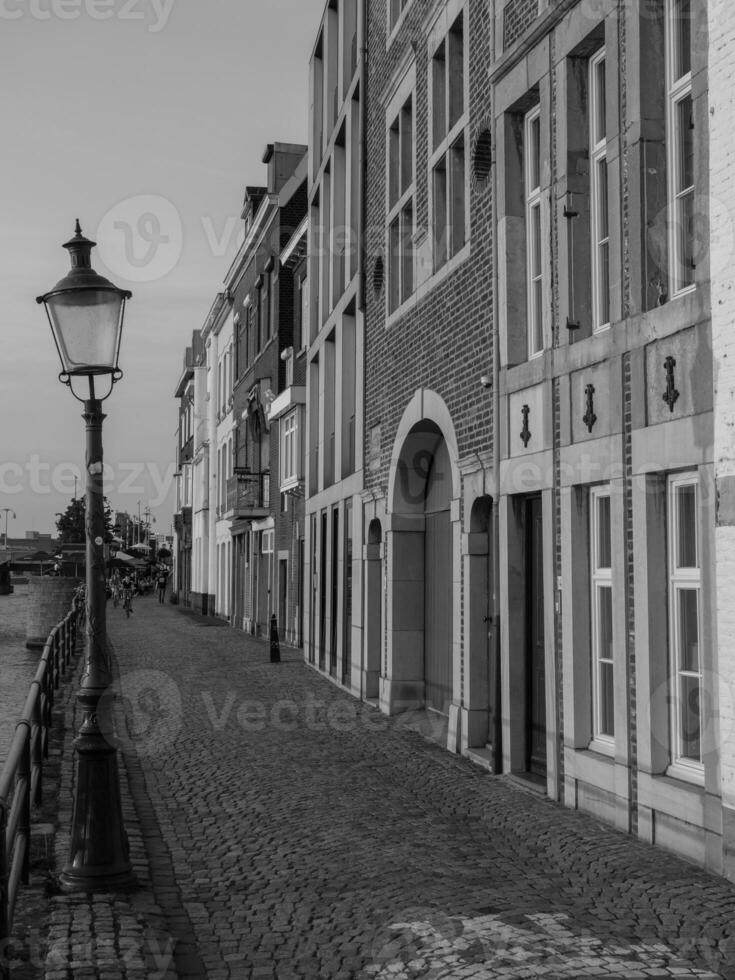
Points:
x=21, y=780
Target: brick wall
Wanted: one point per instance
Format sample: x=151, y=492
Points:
x=445, y=341
x=517, y=16
x=722, y=188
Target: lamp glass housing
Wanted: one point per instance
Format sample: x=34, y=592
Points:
x=85, y=312
x=87, y=328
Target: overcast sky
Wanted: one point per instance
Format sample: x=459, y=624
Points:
x=145, y=119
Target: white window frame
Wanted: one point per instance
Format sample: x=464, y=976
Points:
x=439, y=34
x=598, y=196
x=600, y=578
x=535, y=309
x=677, y=90
x=394, y=211
x=683, y=579
x=290, y=433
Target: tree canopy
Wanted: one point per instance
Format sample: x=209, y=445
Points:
x=70, y=524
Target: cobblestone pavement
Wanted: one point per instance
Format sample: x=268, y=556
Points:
x=293, y=832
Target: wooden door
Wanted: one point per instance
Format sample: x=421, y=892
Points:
x=535, y=653
x=282, y=597
x=438, y=611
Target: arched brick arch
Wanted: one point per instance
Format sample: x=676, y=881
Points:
x=425, y=406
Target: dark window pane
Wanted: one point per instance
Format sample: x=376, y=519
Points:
x=602, y=201
x=538, y=326
x=688, y=629
x=406, y=146
x=440, y=213
x=535, y=153
x=606, y=720
x=407, y=252
x=604, y=537
x=600, y=106
x=457, y=215
x=455, y=42
x=393, y=163
x=439, y=95
x=685, y=139
x=689, y=718
x=604, y=284
x=682, y=30
x=686, y=503
x=394, y=258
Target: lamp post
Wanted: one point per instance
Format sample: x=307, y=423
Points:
x=85, y=312
x=6, y=511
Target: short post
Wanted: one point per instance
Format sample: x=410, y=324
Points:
x=275, y=645
x=4, y=882
x=24, y=777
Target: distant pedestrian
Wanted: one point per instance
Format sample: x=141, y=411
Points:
x=161, y=585
x=127, y=594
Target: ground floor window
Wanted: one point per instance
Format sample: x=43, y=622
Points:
x=684, y=618
x=603, y=704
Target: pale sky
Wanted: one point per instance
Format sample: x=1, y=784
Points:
x=145, y=119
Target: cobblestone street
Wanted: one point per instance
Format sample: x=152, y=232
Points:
x=294, y=832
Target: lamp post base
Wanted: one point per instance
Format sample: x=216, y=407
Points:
x=99, y=855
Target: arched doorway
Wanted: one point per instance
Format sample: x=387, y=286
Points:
x=374, y=608
x=421, y=573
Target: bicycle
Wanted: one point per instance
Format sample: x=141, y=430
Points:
x=127, y=602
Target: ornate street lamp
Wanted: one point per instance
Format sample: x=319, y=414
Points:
x=86, y=312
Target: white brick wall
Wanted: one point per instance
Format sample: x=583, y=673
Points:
x=722, y=188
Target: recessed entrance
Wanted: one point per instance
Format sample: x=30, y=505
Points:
x=535, y=654
x=374, y=609
x=420, y=572
x=438, y=584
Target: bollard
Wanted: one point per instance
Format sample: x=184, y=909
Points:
x=275, y=645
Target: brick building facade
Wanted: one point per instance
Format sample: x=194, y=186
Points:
x=429, y=360
x=334, y=382
x=267, y=524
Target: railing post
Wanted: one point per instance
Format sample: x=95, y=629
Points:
x=39, y=748
x=57, y=660
x=64, y=641
x=4, y=907
x=24, y=773
x=49, y=677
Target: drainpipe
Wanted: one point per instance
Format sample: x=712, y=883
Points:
x=361, y=291
x=497, y=687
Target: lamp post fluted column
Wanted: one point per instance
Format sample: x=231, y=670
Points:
x=98, y=855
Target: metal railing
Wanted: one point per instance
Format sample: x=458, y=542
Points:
x=21, y=780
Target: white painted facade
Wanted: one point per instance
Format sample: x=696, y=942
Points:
x=221, y=402
x=722, y=229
